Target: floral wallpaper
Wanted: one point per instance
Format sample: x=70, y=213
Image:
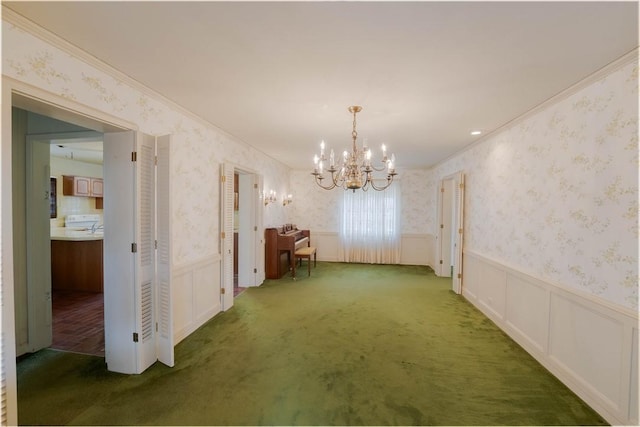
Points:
x=556, y=194
x=197, y=151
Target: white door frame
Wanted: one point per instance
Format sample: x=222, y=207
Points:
x=252, y=224
x=18, y=94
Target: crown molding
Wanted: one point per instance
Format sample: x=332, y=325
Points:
x=30, y=27
x=629, y=57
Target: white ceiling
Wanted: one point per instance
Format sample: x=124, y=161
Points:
x=280, y=75
x=88, y=150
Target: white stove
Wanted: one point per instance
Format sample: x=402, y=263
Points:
x=82, y=221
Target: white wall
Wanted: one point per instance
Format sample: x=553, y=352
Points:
x=556, y=193
x=551, y=236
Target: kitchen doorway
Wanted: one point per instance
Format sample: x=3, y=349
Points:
x=32, y=304
x=68, y=234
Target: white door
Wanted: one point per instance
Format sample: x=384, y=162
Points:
x=38, y=245
x=458, y=233
x=259, y=231
x=130, y=281
x=119, y=265
x=444, y=236
x=164, y=338
x=226, y=235
x=246, y=228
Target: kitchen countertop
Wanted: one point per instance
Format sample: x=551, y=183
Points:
x=75, y=234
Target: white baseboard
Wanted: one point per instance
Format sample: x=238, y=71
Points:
x=591, y=345
x=196, y=295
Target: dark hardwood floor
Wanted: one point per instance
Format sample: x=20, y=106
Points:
x=78, y=322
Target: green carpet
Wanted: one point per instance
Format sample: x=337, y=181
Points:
x=351, y=345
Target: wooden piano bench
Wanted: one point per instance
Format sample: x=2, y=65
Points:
x=306, y=252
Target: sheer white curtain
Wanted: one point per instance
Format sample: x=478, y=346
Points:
x=370, y=226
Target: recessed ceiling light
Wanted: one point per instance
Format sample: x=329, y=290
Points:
x=476, y=132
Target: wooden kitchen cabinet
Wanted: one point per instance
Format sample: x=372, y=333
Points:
x=77, y=265
x=82, y=186
x=97, y=187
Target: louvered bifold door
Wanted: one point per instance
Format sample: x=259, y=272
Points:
x=3, y=386
x=145, y=251
x=226, y=189
x=164, y=331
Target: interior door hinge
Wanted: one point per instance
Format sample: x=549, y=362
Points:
x=441, y=225
x=156, y=326
x=255, y=271
x=255, y=228
x=155, y=161
x=460, y=230
x=223, y=235
x=155, y=244
x=222, y=291
x=134, y=156
x=135, y=337
x=440, y=261
x=223, y=178
x=461, y=185
x=255, y=186
x=134, y=247
x=442, y=190
x=459, y=275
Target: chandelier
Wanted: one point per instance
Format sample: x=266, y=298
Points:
x=354, y=170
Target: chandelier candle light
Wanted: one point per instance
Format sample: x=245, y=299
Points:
x=355, y=169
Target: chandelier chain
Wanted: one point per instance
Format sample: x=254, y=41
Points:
x=354, y=133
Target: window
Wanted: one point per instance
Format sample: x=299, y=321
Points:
x=370, y=226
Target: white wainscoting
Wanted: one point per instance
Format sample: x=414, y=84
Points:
x=590, y=344
x=196, y=295
x=416, y=249
x=326, y=244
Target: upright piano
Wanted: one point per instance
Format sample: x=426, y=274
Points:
x=281, y=244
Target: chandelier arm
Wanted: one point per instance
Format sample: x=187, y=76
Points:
x=336, y=180
x=319, y=179
x=379, y=169
x=384, y=187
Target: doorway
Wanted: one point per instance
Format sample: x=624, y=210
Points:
x=55, y=304
x=241, y=232
x=237, y=289
x=451, y=229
